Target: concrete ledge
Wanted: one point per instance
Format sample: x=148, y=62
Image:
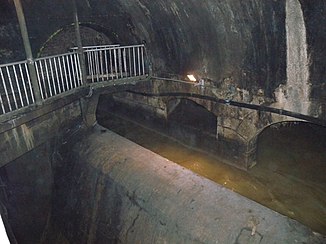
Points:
x=16, y=118
x=39, y=129
x=128, y=194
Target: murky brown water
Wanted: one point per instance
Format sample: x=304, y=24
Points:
x=290, y=176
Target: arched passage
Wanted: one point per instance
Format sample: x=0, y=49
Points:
x=294, y=128
x=190, y=114
x=65, y=38
x=291, y=164
x=192, y=124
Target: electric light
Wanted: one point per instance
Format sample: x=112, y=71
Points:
x=191, y=78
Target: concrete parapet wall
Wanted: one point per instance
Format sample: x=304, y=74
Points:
x=127, y=194
x=31, y=129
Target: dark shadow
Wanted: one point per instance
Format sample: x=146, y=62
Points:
x=62, y=40
x=291, y=163
x=194, y=116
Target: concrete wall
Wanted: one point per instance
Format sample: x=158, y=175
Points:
x=237, y=128
x=119, y=192
x=26, y=194
x=28, y=148
x=32, y=129
x=218, y=40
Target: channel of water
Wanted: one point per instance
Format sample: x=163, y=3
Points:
x=290, y=176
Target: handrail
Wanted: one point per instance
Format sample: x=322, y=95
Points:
x=118, y=47
x=94, y=47
x=53, y=56
x=115, y=62
x=16, y=88
x=60, y=73
x=13, y=63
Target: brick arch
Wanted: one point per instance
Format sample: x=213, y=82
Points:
x=240, y=125
x=234, y=129
x=172, y=102
x=192, y=113
x=253, y=141
x=64, y=38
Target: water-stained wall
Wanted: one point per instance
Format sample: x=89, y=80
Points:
x=243, y=42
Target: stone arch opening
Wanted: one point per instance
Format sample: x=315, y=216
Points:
x=291, y=163
x=297, y=135
x=192, y=124
x=62, y=40
x=190, y=114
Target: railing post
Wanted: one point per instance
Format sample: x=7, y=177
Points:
x=147, y=61
x=80, y=49
x=28, y=51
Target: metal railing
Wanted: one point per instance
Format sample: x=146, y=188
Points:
x=61, y=73
x=117, y=62
x=16, y=88
x=58, y=74
x=96, y=47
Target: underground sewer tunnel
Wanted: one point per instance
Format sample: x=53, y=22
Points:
x=286, y=178
x=268, y=53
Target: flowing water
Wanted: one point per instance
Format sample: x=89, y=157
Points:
x=290, y=176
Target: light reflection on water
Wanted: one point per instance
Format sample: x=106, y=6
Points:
x=290, y=176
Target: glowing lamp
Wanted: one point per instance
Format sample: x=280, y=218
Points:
x=191, y=78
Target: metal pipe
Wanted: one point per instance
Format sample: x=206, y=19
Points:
x=69, y=74
x=124, y=61
x=61, y=75
x=106, y=64
x=5, y=87
x=43, y=80
x=111, y=67
x=79, y=43
x=232, y=103
x=48, y=77
x=52, y=75
x=134, y=58
x=80, y=81
x=56, y=74
x=23, y=81
x=143, y=61
x=39, y=80
x=120, y=62
x=115, y=63
x=101, y=63
x=18, y=86
x=129, y=57
x=91, y=65
x=65, y=73
x=2, y=105
x=11, y=87
x=28, y=50
x=138, y=54
x=97, y=65
x=29, y=83
x=73, y=70
x=76, y=67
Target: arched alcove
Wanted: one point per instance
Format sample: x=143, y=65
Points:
x=296, y=145
x=64, y=39
x=291, y=164
x=192, y=115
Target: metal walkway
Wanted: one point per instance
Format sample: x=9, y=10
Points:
x=61, y=73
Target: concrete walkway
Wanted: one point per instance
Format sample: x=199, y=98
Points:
x=128, y=194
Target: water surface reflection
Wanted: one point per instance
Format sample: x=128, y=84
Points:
x=290, y=176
